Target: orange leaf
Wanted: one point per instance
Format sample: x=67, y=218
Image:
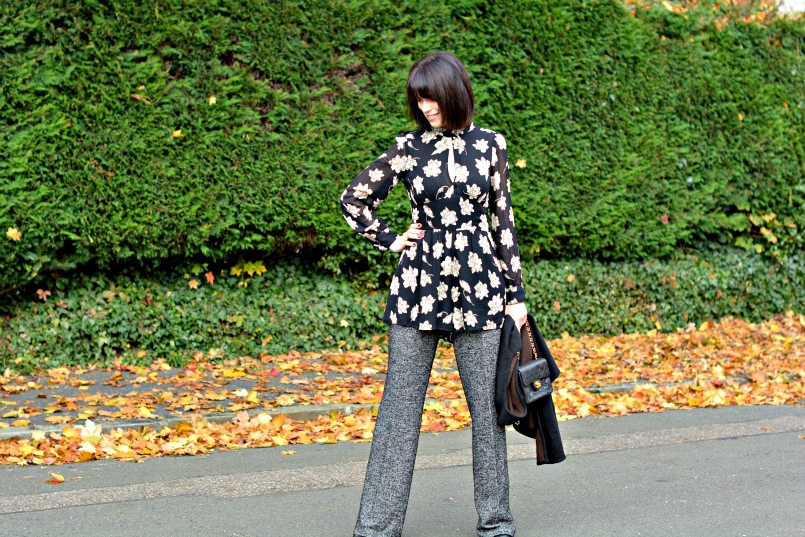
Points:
x=13, y=234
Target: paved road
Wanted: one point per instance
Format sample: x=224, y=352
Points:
x=735, y=471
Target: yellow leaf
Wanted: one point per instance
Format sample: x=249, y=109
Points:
x=193, y=284
x=520, y=163
x=145, y=412
x=285, y=400
x=570, y=277
x=253, y=397
x=13, y=234
x=740, y=117
x=55, y=479
x=178, y=134
x=212, y=100
x=288, y=452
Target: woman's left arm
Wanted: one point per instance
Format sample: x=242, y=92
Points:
x=503, y=232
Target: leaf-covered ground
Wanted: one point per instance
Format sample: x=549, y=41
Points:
x=731, y=362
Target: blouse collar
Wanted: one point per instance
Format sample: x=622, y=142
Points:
x=451, y=133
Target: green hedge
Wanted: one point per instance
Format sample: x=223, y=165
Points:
x=137, y=318
x=639, y=133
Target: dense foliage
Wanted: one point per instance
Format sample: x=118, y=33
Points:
x=146, y=133
x=250, y=309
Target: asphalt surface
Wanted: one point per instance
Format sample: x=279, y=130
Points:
x=733, y=471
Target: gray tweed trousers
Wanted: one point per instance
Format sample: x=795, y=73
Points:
x=396, y=437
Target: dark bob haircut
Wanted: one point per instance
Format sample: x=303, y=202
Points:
x=441, y=77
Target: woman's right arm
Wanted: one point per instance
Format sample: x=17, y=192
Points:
x=367, y=192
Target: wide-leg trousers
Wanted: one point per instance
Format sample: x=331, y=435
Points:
x=396, y=437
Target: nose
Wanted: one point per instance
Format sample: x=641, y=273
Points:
x=426, y=106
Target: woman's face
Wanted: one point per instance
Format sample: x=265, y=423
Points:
x=431, y=111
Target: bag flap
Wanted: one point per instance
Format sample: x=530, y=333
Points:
x=534, y=370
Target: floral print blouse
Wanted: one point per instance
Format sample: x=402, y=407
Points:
x=463, y=272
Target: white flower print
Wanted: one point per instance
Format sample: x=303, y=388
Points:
x=442, y=291
x=362, y=191
x=353, y=210
x=402, y=163
x=443, y=144
x=481, y=290
x=506, y=238
x=483, y=242
x=474, y=262
x=483, y=166
x=494, y=281
x=461, y=242
x=427, y=304
x=467, y=268
x=458, y=319
x=429, y=136
x=496, y=181
x=409, y=278
x=481, y=145
x=466, y=206
x=450, y=266
x=425, y=278
x=495, y=305
x=448, y=217
x=466, y=288
x=460, y=174
x=433, y=168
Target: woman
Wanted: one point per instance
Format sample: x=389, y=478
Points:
x=457, y=278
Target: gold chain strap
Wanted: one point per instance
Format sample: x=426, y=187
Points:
x=531, y=339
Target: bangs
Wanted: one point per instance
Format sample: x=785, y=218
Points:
x=421, y=87
x=442, y=78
